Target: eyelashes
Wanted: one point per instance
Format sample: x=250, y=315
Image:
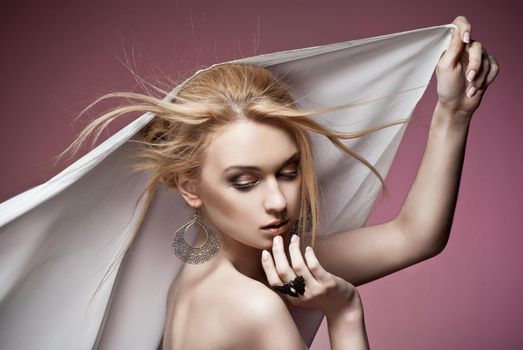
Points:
x=246, y=186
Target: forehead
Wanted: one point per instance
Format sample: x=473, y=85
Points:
x=247, y=142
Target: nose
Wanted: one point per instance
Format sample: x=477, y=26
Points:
x=275, y=201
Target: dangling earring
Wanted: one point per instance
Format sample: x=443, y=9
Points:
x=308, y=224
x=194, y=255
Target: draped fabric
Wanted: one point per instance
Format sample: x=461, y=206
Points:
x=58, y=239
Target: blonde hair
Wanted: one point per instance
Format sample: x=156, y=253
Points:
x=176, y=139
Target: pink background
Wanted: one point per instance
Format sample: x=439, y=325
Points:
x=57, y=57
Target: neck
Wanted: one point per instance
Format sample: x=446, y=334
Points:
x=243, y=258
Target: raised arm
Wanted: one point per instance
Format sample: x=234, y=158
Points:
x=423, y=224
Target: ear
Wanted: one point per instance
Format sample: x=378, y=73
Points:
x=189, y=191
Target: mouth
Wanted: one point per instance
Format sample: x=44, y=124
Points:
x=276, y=228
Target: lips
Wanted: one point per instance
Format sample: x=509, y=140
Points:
x=275, y=225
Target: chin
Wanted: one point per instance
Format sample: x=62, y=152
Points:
x=268, y=243
x=265, y=244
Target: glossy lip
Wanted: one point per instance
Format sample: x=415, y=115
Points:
x=278, y=230
x=277, y=222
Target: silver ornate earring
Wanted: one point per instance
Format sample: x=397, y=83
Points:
x=193, y=255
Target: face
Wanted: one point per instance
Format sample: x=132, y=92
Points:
x=250, y=179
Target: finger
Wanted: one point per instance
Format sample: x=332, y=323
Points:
x=478, y=83
x=270, y=270
x=453, y=52
x=314, y=266
x=475, y=53
x=298, y=264
x=282, y=264
x=461, y=34
x=464, y=27
x=494, y=70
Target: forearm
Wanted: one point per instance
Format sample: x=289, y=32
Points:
x=347, y=330
x=426, y=216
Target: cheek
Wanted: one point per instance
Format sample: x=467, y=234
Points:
x=216, y=202
x=223, y=205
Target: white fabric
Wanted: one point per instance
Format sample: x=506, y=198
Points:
x=57, y=239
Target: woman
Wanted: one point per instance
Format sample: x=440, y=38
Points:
x=237, y=208
x=250, y=199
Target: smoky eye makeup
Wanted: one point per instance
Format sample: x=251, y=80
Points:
x=244, y=177
x=245, y=182
x=241, y=179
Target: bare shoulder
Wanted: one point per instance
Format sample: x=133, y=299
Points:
x=232, y=311
x=256, y=316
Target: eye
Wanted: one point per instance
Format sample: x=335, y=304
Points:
x=291, y=173
x=244, y=186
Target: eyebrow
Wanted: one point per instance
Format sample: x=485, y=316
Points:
x=290, y=160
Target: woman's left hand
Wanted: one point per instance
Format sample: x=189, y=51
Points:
x=464, y=71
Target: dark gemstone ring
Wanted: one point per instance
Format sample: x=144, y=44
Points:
x=294, y=288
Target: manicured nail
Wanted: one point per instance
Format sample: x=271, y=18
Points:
x=471, y=75
x=265, y=255
x=466, y=37
x=308, y=248
x=276, y=239
x=471, y=91
x=294, y=238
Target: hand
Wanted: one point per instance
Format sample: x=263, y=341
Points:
x=323, y=291
x=462, y=60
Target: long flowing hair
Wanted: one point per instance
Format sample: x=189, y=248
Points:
x=176, y=139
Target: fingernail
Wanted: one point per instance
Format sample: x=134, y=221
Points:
x=294, y=238
x=265, y=255
x=276, y=239
x=471, y=91
x=466, y=37
x=471, y=75
x=308, y=248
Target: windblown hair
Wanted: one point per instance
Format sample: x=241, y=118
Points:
x=176, y=139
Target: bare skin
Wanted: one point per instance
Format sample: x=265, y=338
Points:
x=419, y=232
x=273, y=194
x=422, y=228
